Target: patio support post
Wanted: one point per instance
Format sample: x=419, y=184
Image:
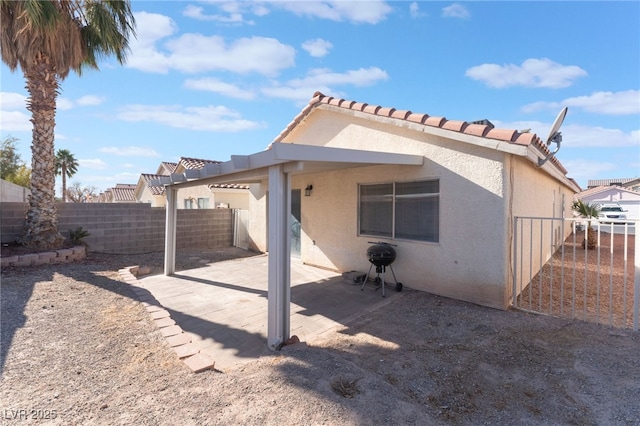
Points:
x=170, y=231
x=279, y=294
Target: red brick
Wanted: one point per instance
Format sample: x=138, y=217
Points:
x=187, y=350
x=178, y=340
x=199, y=362
x=172, y=330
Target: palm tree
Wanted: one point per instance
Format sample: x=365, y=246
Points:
x=587, y=211
x=67, y=166
x=47, y=39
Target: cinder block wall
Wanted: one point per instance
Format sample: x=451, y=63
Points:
x=126, y=228
x=9, y=192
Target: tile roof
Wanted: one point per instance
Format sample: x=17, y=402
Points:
x=155, y=190
x=481, y=130
x=170, y=167
x=602, y=188
x=194, y=163
x=123, y=192
x=227, y=186
x=609, y=182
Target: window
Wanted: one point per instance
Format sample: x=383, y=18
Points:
x=188, y=203
x=402, y=210
x=203, y=203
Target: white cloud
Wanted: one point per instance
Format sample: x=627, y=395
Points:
x=196, y=12
x=14, y=116
x=324, y=80
x=64, y=104
x=130, y=151
x=456, y=10
x=532, y=73
x=612, y=103
x=150, y=28
x=210, y=118
x=367, y=12
x=220, y=87
x=92, y=163
x=90, y=100
x=578, y=135
x=9, y=100
x=193, y=53
x=317, y=48
x=581, y=169
x=14, y=121
x=414, y=10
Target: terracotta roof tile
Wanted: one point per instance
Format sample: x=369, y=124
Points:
x=502, y=134
x=457, y=126
x=435, y=121
x=358, y=106
x=371, y=109
x=386, y=112
x=477, y=129
x=417, y=118
x=194, y=163
x=400, y=114
x=155, y=190
x=123, y=192
x=170, y=166
x=480, y=130
x=228, y=186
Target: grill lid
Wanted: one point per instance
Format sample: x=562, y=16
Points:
x=381, y=254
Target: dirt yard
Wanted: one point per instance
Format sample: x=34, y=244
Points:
x=78, y=348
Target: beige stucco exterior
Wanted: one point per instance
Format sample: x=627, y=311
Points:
x=482, y=186
x=233, y=198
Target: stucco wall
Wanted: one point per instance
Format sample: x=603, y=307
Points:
x=535, y=195
x=472, y=259
x=129, y=228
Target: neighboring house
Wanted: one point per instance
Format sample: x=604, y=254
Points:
x=231, y=195
x=121, y=193
x=628, y=199
x=629, y=183
x=444, y=192
x=144, y=193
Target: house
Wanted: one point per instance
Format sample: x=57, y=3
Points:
x=629, y=183
x=628, y=199
x=444, y=192
x=121, y=193
x=199, y=197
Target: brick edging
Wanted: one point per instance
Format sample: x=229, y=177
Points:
x=45, y=258
x=178, y=340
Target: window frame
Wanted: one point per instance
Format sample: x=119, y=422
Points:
x=394, y=212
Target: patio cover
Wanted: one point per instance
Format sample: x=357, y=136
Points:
x=277, y=165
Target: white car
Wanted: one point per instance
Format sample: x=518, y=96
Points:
x=612, y=213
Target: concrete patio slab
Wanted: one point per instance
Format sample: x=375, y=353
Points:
x=223, y=306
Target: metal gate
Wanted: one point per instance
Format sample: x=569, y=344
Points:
x=241, y=229
x=555, y=272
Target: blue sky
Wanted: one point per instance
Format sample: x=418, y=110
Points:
x=208, y=79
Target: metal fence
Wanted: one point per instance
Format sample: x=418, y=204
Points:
x=556, y=273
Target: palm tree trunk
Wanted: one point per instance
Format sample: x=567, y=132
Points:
x=64, y=184
x=41, y=222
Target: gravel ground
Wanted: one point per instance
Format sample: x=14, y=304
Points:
x=77, y=348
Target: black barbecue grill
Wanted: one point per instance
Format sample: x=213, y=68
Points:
x=381, y=255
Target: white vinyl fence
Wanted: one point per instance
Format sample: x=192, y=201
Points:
x=554, y=273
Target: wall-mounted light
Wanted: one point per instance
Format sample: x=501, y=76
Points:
x=307, y=190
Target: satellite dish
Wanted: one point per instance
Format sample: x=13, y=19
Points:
x=554, y=135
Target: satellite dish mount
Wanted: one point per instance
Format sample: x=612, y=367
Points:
x=554, y=136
